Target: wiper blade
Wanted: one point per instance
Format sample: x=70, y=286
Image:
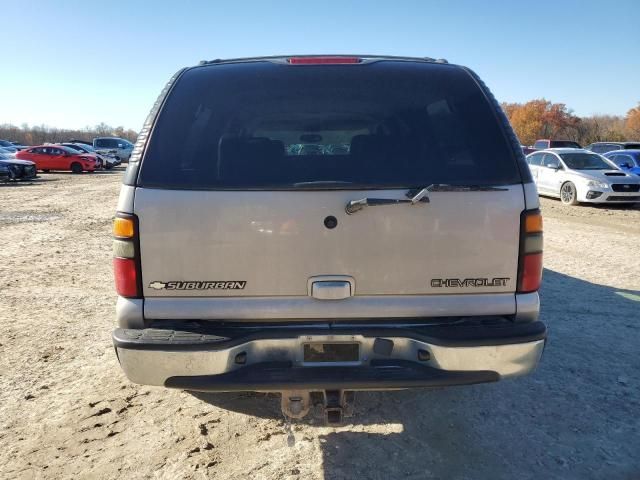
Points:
x=322, y=183
x=413, y=198
x=419, y=195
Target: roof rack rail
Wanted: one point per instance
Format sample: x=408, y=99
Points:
x=278, y=57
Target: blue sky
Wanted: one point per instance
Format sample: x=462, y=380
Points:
x=78, y=63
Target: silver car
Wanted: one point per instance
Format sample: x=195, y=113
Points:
x=118, y=147
x=410, y=256
x=581, y=176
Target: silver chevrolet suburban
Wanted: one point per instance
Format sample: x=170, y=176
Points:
x=317, y=225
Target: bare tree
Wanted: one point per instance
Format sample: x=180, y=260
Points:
x=39, y=134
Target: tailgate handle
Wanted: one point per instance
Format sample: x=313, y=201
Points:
x=331, y=290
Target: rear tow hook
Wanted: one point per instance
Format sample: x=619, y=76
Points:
x=336, y=404
x=295, y=403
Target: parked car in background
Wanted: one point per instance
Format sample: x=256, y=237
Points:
x=119, y=146
x=14, y=169
x=18, y=145
x=626, y=160
x=527, y=150
x=58, y=157
x=7, y=151
x=544, y=144
x=604, y=147
x=8, y=146
x=84, y=142
x=107, y=161
x=100, y=163
x=578, y=175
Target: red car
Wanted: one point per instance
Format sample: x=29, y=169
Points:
x=57, y=157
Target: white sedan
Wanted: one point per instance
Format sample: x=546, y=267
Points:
x=576, y=175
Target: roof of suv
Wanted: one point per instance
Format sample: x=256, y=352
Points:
x=287, y=59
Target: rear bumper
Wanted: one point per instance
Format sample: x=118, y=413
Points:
x=205, y=359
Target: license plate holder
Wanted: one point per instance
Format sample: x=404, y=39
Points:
x=331, y=352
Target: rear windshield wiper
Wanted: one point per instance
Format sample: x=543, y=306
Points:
x=322, y=184
x=413, y=198
x=418, y=195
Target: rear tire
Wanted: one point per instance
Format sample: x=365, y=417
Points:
x=76, y=168
x=568, y=194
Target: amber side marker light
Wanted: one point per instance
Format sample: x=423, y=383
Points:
x=531, y=245
x=123, y=227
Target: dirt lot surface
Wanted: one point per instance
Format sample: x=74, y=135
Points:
x=67, y=411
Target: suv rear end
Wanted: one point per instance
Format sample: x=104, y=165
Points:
x=327, y=224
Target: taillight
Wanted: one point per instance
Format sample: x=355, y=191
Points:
x=126, y=276
x=126, y=261
x=124, y=227
x=323, y=60
x=530, y=263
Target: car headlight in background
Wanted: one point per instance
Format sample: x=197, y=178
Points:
x=597, y=184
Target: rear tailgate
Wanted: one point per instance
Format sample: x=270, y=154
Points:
x=251, y=255
x=272, y=243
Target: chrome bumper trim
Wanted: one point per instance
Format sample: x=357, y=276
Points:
x=154, y=367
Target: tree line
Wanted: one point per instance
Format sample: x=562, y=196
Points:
x=542, y=119
x=535, y=119
x=39, y=134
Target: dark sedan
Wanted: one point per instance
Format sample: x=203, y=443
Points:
x=14, y=169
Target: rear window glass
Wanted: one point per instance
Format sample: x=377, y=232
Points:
x=107, y=143
x=264, y=125
x=535, y=159
x=584, y=161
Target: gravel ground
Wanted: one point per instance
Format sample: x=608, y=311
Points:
x=67, y=411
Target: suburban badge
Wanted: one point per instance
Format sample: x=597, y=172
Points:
x=187, y=285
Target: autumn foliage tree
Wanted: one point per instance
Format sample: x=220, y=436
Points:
x=541, y=119
x=632, y=123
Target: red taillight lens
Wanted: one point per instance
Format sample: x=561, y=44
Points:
x=126, y=266
x=530, y=268
x=322, y=60
x=125, y=272
x=531, y=273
